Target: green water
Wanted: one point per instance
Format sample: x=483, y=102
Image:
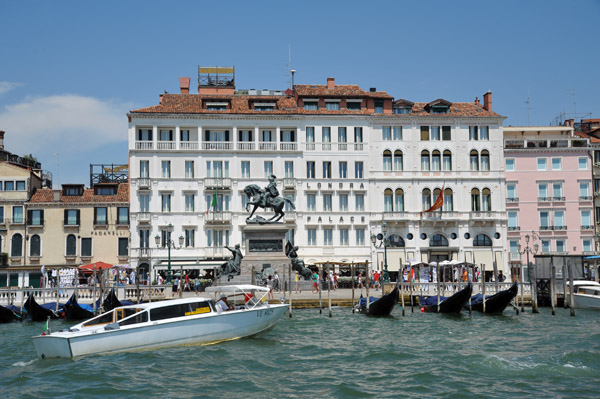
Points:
x=346, y=356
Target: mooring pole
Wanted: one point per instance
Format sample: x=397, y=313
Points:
x=352, y=282
x=564, y=281
x=402, y=286
x=533, y=282
x=319, y=274
x=483, y=284
x=329, y=289
x=290, y=287
x=571, y=289
x=523, y=283
x=437, y=282
x=94, y=294
x=553, y=288
x=410, y=288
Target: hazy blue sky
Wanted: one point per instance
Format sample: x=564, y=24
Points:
x=70, y=70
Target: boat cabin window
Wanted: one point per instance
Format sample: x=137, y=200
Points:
x=179, y=310
x=139, y=318
x=123, y=313
x=102, y=319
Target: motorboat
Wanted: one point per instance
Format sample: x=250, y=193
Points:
x=167, y=323
x=379, y=306
x=452, y=304
x=586, y=294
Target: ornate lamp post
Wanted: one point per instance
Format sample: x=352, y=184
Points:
x=527, y=250
x=168, y=244
x=383, y=241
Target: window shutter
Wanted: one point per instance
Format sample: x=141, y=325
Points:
x=29, y=213
x=65, y=218
x=78, y=217
x=42, y=217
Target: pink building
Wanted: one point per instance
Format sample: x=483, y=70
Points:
x=549, y=193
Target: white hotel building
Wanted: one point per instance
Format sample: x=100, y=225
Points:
x=355, y=162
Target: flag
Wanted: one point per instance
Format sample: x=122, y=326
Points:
x=213, y=204
x=439, y=202
x=45, y=332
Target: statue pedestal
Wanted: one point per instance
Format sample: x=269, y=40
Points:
x=265, y=250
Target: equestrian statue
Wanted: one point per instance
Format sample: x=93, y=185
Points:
x=266, y=198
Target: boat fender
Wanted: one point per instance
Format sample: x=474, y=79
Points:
x=422, y=310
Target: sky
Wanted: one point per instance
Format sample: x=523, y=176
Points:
x=71, y=70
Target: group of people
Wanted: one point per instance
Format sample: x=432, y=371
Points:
x=372, y=282
x=330, y=277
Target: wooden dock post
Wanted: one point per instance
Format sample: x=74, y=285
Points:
x=352, y=282
x=319, y=284
x=290, y=288
x=522, y=286
x=495, y=266
x=472, y=275
x=553, y=288
x=533, y=282
x=329, y=288
x=564, y=279
x=438, y=287
x=410, y=287
x=366, y=282
x=483, y=284
x=571, y=289
x=94, y=291
x=402, y=286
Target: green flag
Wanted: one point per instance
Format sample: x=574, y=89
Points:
x=213, y=204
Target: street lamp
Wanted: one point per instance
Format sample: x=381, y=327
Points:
x=384, y=241
x=527, y=250
x=168, y=243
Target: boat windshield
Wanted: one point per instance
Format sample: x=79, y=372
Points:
x=140, y=317
x=180, y=310
x=104, y=318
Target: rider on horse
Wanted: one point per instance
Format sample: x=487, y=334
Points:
x=270, y=191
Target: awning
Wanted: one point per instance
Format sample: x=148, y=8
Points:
x=99, y=266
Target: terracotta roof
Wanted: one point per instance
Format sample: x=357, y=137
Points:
x=456, y=109
x=337, y=91
x=47, y=195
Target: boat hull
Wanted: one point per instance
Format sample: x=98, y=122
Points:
x=497, y=302
x=453, y=304
x=202, y=329
x=584, y=301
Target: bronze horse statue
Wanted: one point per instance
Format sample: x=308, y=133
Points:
x=255, y=194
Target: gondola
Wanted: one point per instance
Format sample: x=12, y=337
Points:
x=452, y=304
x=10, y=313
x=495, y=303
x=75, y=311
x=111, y=301
x=37, y=312
x=379, y=306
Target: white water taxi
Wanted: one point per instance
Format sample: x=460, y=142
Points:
x=586, y=294
x=166, y=323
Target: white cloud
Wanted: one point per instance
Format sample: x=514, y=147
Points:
x=63, y=123
x=5, y=87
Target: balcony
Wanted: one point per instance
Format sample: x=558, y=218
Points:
x=143, y=183
x=289, y=183
x=515, y=256
x=558, y=199
x=166, y=145
x=142, y=253
x=217, y=146
x=217, y=182
x=546, y=228
x=16, y=221
x=332, y=146
x=290, y=216
x=585, y=198
x=560, y=228
x=584, y=228
x=246, y=146
x=512, y=200
x=144, y=145
x=484, y=215
x=288, y=146
x=144, y=217
x=220, y=217
x=215, y=252
x=342, y=146
x=544, y=199
x=514, y=228
x=267, y=146
x=188, y=145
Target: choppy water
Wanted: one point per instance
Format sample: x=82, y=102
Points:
x=346, y=356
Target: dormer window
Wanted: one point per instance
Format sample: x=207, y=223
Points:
x=439, y=106
x=402, y=110
x=440, y=109
x=217, y=106
x=311, y=105
x=73, y=191
x=379, y=106
x=332, y=105
x=109, y=189
x=354, y=105
x=402, y=106
x=264, y=106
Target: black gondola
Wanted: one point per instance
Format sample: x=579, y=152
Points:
x=10, y=313
x=452, y=304
x=111, y=301
x=74, y=311
x=495, y=303
x=38, y=313
x=379, y=306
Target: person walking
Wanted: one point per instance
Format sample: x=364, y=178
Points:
x=297, y=280
x=276, y=282
x=359, y=279
x=270, y=287
x=315, y=285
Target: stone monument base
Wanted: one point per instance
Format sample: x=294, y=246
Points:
x=265, y=251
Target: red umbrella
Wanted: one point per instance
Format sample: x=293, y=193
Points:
x=99, y=266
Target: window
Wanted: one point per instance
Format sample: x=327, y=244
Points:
x=510, y=164
x=355, y=105
x=474, y=160
x=184, y=135
x=245, y=136
x=310, y=169
x=485, y=160
x=342, y=138
x=438, y=240
x=399, y=200
x=264, y=107
x=289, y=169
x=475, y=200
x=311, y=105
x=388, y=198
x=544, y=220
x=344, y=237
x=446, y=133
x=310, y=137
x=343, y=169
x=397, y=132
x=326, y=169
x=144, y=202
x=513, y=221
x=584, y=190
x=144, y=169
x=424, y=133
x=190, y=200
x=481, y=240
x=425, y=160
x=447, y=160
x=402, y=110
x=359, y=202
x=220, y=169
x=586, y=219
x=166, y=169
x=448, y=201
x=189, y=169
x=557, y=192
x=190, y=238
x=86, y=246
x=387, y=160
x=122, y=215
x=144, y=135
x=379, y=106
x=435, y=160
x=511, y=191
x=328, y=236
x=343, y=202
x=582, y=163
x=245, y=169
x=484, y=133
x=559, y=220
x=358, y=135
x=358, y=170
x=541, y=163
x=486, y=200
x=398, y=161
x=546, y=247
x=560, y=246
x=71, y=245
x=9, y=186
x=35, y=247
x=473, y=133
x=332, y=106
x=386, y=133
x=20, y=185
x=165, y=202
x=513, y=246
x=35, y=217
x=327, y=202
x=16, y=246
x=1, y=216
x=100, y=216
x=360, y=236
x=17, y=214
x=311, y=200
x=435, y=133
x=426, y=199
x=105, y=190
x=543, y=192
x=312, y=237
x=123, y=244
x=144, y=238
x=326, y=138
x=587, y=245
x=71, y=217
x=556, y=164
x=166, y=135
x=268, y=165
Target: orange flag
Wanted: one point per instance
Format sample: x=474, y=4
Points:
x=439, y=202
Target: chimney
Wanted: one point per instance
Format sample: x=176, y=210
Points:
x=330, y=83
x=373, y=89
x=487, y=101
x=184, y=84
x=570, y=122
x=477, y=101
x=161, y=96
x=1, y=139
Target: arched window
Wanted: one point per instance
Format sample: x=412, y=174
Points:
x=387, y=160
x=485, y=160
x=16, y=245
x=447, y=160
x=425, y=160
x=475, y=200
x=448, y=200
x=474, y=160
x=481, y=240
x=388, y=205
x=435, y=160
x=426, y=199
x=486, y=200
x=395, y=240
x=438, y=240
x=436, y=195
x=71, y=245
x=398, y=162
x=35, y=245
x=399, y=200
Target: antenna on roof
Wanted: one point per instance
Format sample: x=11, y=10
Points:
x=292, y=71
x=528, y=102
x=574, y=103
